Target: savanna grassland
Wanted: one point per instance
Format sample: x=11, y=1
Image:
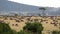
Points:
x=49, y=23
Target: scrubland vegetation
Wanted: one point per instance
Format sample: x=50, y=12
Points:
x=30, y=28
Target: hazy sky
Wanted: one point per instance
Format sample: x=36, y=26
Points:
x=44, y=3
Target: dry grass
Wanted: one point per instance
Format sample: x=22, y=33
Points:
x=17, y=23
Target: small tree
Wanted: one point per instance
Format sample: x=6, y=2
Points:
x=34, y=27
x=43, y=9
x=16, y=14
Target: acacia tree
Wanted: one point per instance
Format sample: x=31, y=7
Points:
x=15, y=14
x=43, y=9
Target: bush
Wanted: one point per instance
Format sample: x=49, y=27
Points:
x=30, y=28
x=24, y=32
x=55, y=32
x=35, y=27
x=5, y=29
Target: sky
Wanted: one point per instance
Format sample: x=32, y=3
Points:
x=43, y=3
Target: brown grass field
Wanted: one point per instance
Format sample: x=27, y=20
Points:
x=17, y=23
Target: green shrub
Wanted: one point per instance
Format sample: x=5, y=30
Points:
x=24, y=32
x=5, y=29
x=35, y=27
x=55, y=32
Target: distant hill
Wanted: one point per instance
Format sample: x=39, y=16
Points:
x=9, y=7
